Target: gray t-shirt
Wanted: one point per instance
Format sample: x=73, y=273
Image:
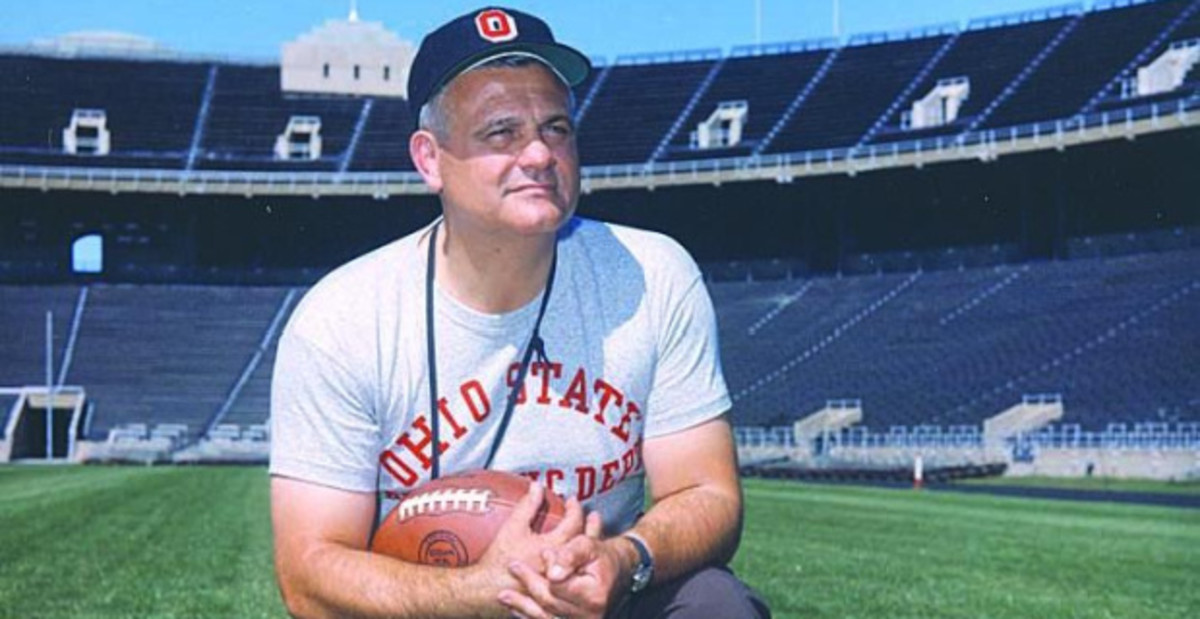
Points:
x=632, y=345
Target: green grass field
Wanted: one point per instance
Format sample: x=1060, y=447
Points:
x=195, y=542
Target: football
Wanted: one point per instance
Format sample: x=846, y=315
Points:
x=451, y=521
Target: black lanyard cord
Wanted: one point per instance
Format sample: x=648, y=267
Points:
x=535, y=344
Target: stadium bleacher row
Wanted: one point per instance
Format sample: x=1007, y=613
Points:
x=1117, y=338
x=1038, y=66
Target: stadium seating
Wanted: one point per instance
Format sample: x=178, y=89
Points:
x=252, y=405
x=1188, y=29
x=768, y=78
x=23, y=331
x=167, y=354
x=921, y=334
x=1040, y=66
x=384, y=143
x=151, y=107
x=1117, y=338
x=844, y=105
x=248, y=112
x=637, y=105
x=1105, y=41
x=990, y=56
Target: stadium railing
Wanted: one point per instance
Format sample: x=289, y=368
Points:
x=1183, y=435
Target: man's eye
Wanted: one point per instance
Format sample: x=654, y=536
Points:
x=557, y=131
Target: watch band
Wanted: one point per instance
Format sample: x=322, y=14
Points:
x=644, y=572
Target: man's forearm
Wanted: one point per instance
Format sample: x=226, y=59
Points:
x=691, y=528
x=336, y=581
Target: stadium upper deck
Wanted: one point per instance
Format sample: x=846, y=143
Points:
x=820, y=98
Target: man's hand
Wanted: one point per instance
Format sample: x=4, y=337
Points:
x=581, y=578
x=516, y=542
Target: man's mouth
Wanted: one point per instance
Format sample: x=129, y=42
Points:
x=534, y=188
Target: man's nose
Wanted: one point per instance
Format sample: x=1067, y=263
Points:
x=537, y=155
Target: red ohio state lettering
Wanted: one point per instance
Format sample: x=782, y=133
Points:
x=607, y=393
x=585, y=482
x=552, y=476
x=419, y=447
x=511, y=380
x=546, y=371
x=444, y=408
x=610, y=469
x=496, y=26
x=477, y=400
x=576, y=393
x=621, y=430
x=398, y=469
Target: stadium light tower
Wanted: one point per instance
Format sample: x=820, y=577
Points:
x=758, y=22
x=353, y=11
x=837, y=19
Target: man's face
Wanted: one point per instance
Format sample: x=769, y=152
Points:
x=508, y=164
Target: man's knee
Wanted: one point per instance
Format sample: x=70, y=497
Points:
x=715, y=593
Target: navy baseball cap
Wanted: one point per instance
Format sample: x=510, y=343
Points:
x=479, y=36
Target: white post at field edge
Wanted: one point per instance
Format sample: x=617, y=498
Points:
x=918, y=472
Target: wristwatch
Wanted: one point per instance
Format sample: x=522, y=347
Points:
x=644, y=572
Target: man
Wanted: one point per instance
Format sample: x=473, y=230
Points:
x=510, y=335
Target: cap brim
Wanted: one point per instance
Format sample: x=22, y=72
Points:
x=571, y=66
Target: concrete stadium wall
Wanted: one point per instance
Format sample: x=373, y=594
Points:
x=1162, y=464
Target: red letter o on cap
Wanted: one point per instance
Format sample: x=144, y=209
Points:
x=496, y=26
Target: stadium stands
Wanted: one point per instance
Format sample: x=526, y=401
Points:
x=1116, y=337
x=990, y=55
x=167, y=353
x=640, y=99
x=844, y=105
x=151, y=108
x=1115, y=96
x=1031, y=67
x=248, y=112
x=23, y=331
x=921, y=334
x=768, y=78
x=384, y=143
x=1104, y=42
x=252, y=405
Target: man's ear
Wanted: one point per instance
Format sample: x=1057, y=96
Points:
x=423, y=149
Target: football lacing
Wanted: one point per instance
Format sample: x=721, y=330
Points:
x=438, y=501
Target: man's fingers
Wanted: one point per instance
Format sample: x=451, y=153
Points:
x=571, y=523
x=538, y=592
x=526, y=509
x=594, y=527
x=522, y=606
x=566, y=560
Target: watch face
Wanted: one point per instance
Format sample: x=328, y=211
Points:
x=641, y=577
